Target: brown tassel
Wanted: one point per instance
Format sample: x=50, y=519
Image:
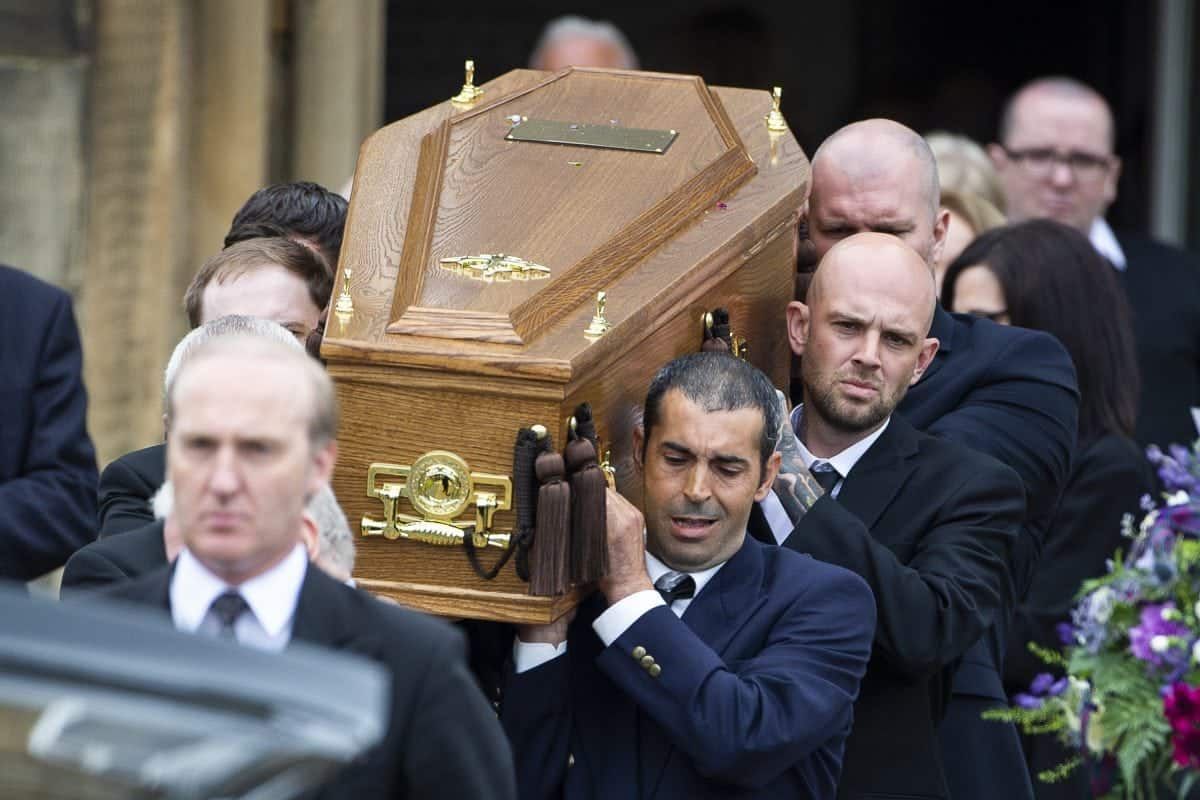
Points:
x=589, y=536
x=551, y=552
x=530, y=442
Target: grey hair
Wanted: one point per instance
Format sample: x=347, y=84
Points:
x=336, y=547
x=232, y=325
x=571, y=26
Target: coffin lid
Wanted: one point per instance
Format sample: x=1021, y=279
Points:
x=637, y=225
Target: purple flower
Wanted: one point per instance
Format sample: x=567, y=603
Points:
x=1027, y=700
x=1144, y=641
x=1066, y=633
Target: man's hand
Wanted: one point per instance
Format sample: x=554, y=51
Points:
x=554, y=633
x=795, y=486
x=626, y=550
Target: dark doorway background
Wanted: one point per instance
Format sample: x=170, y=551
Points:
x=935, y=64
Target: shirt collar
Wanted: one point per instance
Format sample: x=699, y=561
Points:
x=1105, y=242
x=272, y=596
x=844, y=461
x=657, y=569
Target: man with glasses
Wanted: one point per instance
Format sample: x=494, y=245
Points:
x=1055, y=159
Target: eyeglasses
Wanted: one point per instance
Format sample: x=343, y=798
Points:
x=1041, y=161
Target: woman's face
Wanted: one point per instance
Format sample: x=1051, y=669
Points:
x=978, y=292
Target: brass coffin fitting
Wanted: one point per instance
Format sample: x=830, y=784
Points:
x=599, y=324
x=498, y=267
x=440, y=487
x=775, y=121
x=469, y=92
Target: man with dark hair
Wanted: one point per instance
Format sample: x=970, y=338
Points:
x=707, y=665
x=252, y=440
x=306, y=211
x=1056, y=159
x=1006, y=392
x=273, y=279
x=47, y=463
x=928, y=523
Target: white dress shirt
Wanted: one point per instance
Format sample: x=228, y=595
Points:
x=1106, y=244
x=842, y=463
x=271, y=598
x=618, y=618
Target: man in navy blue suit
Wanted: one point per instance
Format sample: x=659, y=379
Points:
x=47, y=463
x=708, y=665
x=1006, y=392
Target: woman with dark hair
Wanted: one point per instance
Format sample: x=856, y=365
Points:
x=1044, y=275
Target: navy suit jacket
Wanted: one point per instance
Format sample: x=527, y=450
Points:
x=1163, y=286
x=1010, y=393
x=126, y=487
x=47, y=463
x=753, y=699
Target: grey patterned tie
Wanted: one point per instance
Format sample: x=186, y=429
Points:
x=825, y=475
x=228, y=607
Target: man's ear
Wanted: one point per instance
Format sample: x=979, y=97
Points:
x=998, y=156
x=941, y=224
x=1110, y=182
x=798, y=316
x=639, y=441
x=770, y=471
x=928, y=349
x=310, y=535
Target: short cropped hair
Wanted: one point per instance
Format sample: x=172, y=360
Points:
x=231, y=325
x=716, y=382
x=571, y=26
x=243, y=257
x=322, y=425
x=336, y=543
x=303, y=210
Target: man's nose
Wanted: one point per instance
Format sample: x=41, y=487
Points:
x=226, y=474
x=867, y=354
x=1061, y=174
x=696, y=488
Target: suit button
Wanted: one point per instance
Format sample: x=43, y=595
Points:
x=647, y=661
x=639, y=651
x=655, y=670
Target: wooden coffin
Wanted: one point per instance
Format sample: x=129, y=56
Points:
x=433, y=359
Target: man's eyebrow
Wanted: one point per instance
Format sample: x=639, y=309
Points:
x=678, y=448
x=730, y=459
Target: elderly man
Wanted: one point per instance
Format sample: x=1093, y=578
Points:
x=708, y=665
x=1055, y=159
x=578, y=42
x=1006, y=392
x=929, y=523
x=251, y=441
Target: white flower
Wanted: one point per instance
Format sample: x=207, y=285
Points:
x=1178, y=499
x=1196, y=652
x=1160, y=643
x=1100, y=604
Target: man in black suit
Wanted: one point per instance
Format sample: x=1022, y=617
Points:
x=930, y=524
x=295, y=297
x=1006, y=392
x=47, y=463
x=251, y=439
x=1055, y=159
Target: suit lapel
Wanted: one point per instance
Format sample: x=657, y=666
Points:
x=879, y=474
x=321, y=617
x=716, y=615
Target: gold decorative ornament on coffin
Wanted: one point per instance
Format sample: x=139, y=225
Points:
x=440, y=486
x=498, y=267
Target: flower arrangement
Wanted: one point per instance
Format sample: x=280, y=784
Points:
x=1128, y=705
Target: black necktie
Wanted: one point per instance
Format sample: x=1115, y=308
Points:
x=227, y=608
x=825, y=475
x=675, y=586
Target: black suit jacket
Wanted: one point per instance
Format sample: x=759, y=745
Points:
x=930, y=525
x=127, y=486
x=115, y=559
x=443, y=741
x=1163, y=286
x=47, y=463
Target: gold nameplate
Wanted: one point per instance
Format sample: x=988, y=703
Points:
x=581, y=134
x=498, y=267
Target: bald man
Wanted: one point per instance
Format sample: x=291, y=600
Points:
x=1056, y=159
x=1006, y=392
x=929, y=524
